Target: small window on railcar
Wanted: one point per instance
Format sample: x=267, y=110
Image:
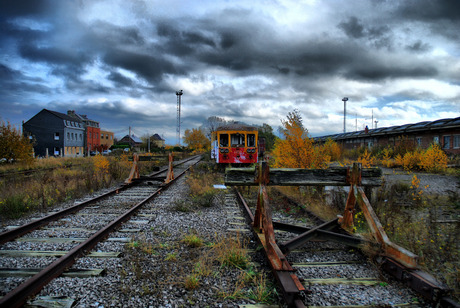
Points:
x=251, y=140
x=223, y=140
x=237, y=140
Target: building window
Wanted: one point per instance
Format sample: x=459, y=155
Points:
x=90, y=135
x=106, y=136
x=419, y=141
x=68, y=136
x=446, y=142
x=56, y=136
x=456, y=141
x=102, y=135
x=436, y=139
x=81, y=137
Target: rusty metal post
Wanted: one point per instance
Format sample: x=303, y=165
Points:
x=354, y=179
x=134, y=174
x=170, y=175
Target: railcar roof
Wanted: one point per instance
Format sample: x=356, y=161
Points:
x=236, y=127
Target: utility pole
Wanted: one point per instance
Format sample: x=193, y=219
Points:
x=344, y=113
x=178, y=94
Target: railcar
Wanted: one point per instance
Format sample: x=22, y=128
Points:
x=235, y=144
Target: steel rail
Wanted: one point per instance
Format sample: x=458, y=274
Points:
x=287, y=281
x=18, y=296
x=29, y=227
x=33, y=225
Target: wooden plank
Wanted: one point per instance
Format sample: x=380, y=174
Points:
x=326, y=264
x=336, y=176
x=47, y=253
x=51, y=302
x=370, y=306
x=352, y=281
x=73, y=273
x=67, y=240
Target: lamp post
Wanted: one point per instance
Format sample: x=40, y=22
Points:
x=344, y=113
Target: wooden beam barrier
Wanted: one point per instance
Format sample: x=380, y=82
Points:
x=336, y=176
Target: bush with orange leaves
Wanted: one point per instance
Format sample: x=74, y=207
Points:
x=434, y=159
x=296, y=150
x=366, y=159
x=332, y=149
x=101, y=164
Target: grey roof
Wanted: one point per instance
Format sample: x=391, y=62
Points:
x=134, y=138
x=157, y=137
x=401, y=129
x=63, y=116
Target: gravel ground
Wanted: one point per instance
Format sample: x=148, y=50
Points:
x=437, y=183
x=144, y=277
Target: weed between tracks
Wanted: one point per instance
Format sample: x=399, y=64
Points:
x=192, y=265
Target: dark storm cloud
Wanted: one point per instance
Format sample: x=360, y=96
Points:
x=24, y=8
x=108, y=35
x=353, y=28
x=431, y=10
x=375, y=72
x=120, y=80
x=14, y=82
x=150, y=67
x=54, y=55
x=419, y=46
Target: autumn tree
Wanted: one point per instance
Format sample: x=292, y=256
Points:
x=211, y=124
x=266, y=132
x=13, y=145
x=296, y=150
x=195, y=139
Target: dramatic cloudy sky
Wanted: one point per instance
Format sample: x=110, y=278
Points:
x=121, y=62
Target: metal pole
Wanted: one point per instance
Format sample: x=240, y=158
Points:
x=179, y=94
x=344, y=113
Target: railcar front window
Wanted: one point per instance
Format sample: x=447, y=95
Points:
x=237, y=140
x=223, y=140
x=251, y=140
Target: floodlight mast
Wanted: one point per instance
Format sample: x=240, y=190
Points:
x=345, y=99
x=178, y=94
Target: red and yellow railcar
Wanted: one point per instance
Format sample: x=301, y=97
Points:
x=235, y=144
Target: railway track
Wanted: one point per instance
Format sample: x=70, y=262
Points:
x=51, y=244
x=143, y=262
x=335, y=274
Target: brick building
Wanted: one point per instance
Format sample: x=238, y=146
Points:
x=92, y=132
x=445, y=132
x=106, y=139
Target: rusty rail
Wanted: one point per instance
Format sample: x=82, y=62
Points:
x=19, y=296
x=262, y=224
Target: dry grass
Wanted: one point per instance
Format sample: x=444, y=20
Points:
x=59, y=180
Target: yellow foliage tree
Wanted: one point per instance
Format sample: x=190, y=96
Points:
x=196, y=140
x=14, y=146
x=332, y=149
x=101, y=164
x=434, y=159
x=296, y=150
x=366, y=159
